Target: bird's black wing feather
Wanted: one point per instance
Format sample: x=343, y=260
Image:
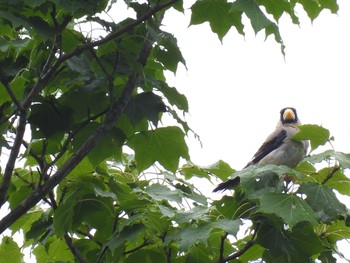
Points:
x=229, y=184
x=274, y=141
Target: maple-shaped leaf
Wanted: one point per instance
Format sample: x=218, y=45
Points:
x=317, y=135
x=145, y=105
x=289, y=207
x=217, y=13
x=165, y=145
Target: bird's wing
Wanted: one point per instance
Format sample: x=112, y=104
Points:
x=272, y=142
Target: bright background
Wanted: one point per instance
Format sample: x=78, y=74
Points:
x=237, y=88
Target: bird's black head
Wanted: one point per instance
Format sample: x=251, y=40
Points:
x=289, y=115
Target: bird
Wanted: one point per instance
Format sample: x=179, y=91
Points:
x=279, y=147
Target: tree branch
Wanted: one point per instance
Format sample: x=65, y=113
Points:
x=330, y=175
x=73, y=249
x=13, y=157
x=222, y=246
x=5, y=82
x=248, y=245
x=112, y=117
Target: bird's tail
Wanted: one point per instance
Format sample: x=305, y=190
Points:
x=229, y=184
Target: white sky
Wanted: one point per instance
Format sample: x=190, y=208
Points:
x=237, y=88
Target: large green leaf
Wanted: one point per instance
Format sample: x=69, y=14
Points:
x=59, y=251
x=285, y=246
x=9, y=250
x=220, y=169
x=337, y=231
x=165, y=145
x=160, y=192
x=49, y=119
x=289, y=207
x=317, y=135
x=323, y=201
x=145, y=105
x=217, y=13
x=168, y=53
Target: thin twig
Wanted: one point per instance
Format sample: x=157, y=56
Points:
x=330, y=175
x=6, y=179
x=144, y=244
x=73, y=249
x=5, y=82
x=248, y=245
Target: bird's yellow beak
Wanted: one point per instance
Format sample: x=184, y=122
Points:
x=288, y=114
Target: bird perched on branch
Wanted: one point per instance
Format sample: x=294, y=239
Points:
x=279, y=148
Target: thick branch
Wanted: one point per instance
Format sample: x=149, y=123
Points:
x=113, y=116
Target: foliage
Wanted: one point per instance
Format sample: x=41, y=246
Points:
x=90, y=168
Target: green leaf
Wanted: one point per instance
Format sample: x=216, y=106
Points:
x=198, y=254
x=343, y=159
x=26, y=221
x=40, y=254
x=9, y=250
x=257, y=18
x=277, y=8
x=195, y=214
x=217, y=13
x=339, y=182
x=317, y=135
x=337, y=231
x=253, y=253
x=162, y=192
x=59, y=251
x=145, y=105
x=168, y=53
x=293, y=246
x=49, y=118
x=128, y=233
x=312, y=8
x=147, y=256
x=228, y=225
x=230, y=207
x=221, y=169
x=258, y=179
x=63, y=218
x=41, y=27
x=189, y=236
x=289, y=207
x=323, y=201
x=165, y=145
x=174, y=97
x=305, y=240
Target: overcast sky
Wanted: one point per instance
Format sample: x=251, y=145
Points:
x=237, y=88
